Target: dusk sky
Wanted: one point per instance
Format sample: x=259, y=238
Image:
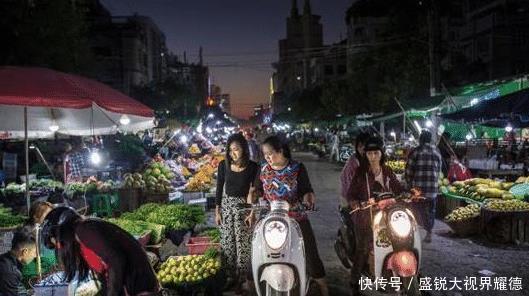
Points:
x=239, y=37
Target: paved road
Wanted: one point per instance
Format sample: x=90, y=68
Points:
x=446, y=256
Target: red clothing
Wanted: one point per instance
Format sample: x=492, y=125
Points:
x=359, y=188
x=116, y=257
x=458, y=172
x=93, y=260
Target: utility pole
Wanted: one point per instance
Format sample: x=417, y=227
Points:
x=434, y=40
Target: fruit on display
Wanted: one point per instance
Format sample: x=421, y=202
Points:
x=8, y=219
x=194, y=149
x=480, y=189
x=157, y=178
x=511, y=205
x=133, y=181
x=398, y=166
x=188, y=269
x=202, y=180
x=464, y=213
x=521, y=180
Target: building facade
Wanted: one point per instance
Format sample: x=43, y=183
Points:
x=130, y=51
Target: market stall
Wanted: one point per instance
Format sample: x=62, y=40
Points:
x=495, y=209
x=39, y=102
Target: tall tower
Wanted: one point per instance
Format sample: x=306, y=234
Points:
x=294, y=10
x=306, y=8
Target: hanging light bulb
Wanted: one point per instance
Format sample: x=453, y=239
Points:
x=95, y=158
x=54, y=126
x=183, y=139
x=429, y=123
x=124, y=120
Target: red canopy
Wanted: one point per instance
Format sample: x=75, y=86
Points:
x=40, y=87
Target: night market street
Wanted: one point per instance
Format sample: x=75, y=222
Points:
x=445, y=257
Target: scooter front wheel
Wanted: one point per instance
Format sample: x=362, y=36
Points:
x=273, y=292
x=411, y=286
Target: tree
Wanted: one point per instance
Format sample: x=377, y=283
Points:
x=394, y=66
x=169, y=95
x=47, y=34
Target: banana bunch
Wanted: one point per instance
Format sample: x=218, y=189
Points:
x=510, y=205
x=398, y=166
x=463, y=213
x=194, y=149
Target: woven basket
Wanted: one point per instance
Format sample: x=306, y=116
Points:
x=466, y=227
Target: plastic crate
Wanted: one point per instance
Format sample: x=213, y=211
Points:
x=196, y=248
x=199, y=240
x=145, y=238
x=52, y=290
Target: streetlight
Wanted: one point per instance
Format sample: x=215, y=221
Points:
x=417, y=125
x=124, y=119
x=394, y=135
x=298, y=78
x=54, y=126
x=183, y=139
x=429, y=123
x=95, y=158
x=289, y=109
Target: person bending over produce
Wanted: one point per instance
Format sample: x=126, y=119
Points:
x=23, y=251
x=86, y=244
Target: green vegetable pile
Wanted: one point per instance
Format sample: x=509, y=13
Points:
x=213, y=233
x=138, y=228
x=14, y=188
x=8, y=219
x=76, y=187
x=173, y=216
x=45, y=184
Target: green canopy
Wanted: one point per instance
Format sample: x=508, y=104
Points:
x=459, y=131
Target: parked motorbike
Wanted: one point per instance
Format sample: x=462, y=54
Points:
x=396, y=244
x=278, y=254
x=346, y=151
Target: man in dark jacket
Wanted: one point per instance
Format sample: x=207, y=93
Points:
x=23, y=251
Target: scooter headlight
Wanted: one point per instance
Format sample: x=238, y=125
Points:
x=400, y=223
x=275, y=234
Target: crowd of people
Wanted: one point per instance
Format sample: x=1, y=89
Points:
x=86, y=246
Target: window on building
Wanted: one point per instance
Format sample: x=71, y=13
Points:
x=359, y=32
x=328, y=70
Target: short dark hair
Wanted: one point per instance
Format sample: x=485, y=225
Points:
x=278, y=145
x=425, y=138
x=361, y=139
x=22, y=239
x=238, y=138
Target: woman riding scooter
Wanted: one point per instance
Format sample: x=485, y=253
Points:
x=372, y=176
x=282, y=178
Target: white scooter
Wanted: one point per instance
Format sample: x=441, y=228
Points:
x=278, y=254
x=396, y=252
